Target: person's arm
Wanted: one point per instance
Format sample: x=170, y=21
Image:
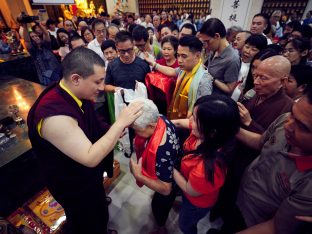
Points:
x=111, y=88
x=26, y=37
x=247, y=121
x=159, y=186
x=169, y=71
x=251, y=139
x=184, y=184
x=304, y=218
x=261, y=228
x=65, y=134
x=230, y=76
x=181, y=123
x=244, y=114
x=226, y=88
x=46, y=35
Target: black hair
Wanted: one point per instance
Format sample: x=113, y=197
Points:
x=276, y=47
x=300, y=44
x=103, y=14
x=164, y=26
x=150, y=28
x=189, y=26
x=194, y=44
x=218, y=121
x=308, y=93
x=213, y=26
x=33, y=28
x=123, y=36
x=107, y=44
x=49, y=22
x=97, y=22
x=295, y=25
x=75, y=62
x=130, y=16
x=306, y=31
x=74, y=38
x=131, y=27
x=174, y=27
x=302, y=74
x=116, y=22
x=172, y=40
x=139, y=33
x=262, y=55
x=61, y=30
x=267, y=22
x=257, y=40
x=83, y=30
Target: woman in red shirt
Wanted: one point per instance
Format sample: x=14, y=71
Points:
x=169, y=47
x=214, y=123
x=160, y=86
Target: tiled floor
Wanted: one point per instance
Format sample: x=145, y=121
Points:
x=130, y=211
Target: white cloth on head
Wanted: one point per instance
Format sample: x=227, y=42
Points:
x=127, y=95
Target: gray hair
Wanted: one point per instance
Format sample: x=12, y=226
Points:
x=150, y=113
x=156, y=17
x=232, y=29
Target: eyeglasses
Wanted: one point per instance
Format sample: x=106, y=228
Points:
x=123, y=52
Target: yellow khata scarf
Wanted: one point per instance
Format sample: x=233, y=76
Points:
x=179, y=104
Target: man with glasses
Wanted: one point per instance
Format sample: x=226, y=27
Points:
x=127, y=68
x=140, y=37
x=99, y=31
x=124, y=71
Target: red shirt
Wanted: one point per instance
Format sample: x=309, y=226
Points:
x=193, y=170
x=162, y=61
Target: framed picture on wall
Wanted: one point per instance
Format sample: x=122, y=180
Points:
x=3, y=24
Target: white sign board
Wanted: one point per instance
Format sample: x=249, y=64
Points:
x=234, y=12
x=52, y=2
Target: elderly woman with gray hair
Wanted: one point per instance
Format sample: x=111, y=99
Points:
x=157, y=148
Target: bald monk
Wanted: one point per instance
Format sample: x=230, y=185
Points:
x=257, y=114
x=270, y=100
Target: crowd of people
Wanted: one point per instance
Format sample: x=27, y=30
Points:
x=228, y=122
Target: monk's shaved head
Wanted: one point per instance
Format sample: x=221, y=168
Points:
x=271, y=75
x=277, y=65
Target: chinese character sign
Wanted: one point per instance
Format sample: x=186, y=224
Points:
x=234, y=12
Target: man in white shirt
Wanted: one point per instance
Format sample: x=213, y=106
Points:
x=99, y=31
x=260, y=25
x=137, y=18
x=148, y=22
x=50, y=24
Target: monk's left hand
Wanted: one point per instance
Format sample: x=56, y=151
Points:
x=136, y=168
x=244, y=114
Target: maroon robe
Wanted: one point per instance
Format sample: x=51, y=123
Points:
x=79, y=189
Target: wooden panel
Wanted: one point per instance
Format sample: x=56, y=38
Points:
x=290, y=6
x=191, y=6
